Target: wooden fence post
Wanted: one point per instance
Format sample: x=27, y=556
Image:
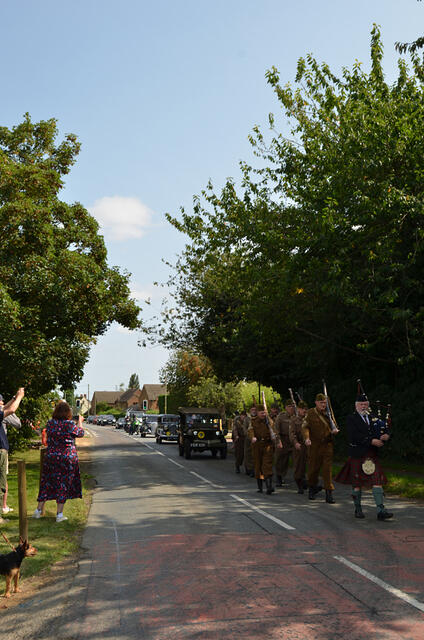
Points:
x=22, y=495
x=42, y=452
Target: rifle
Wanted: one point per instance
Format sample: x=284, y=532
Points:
x=271, y=430
x=293, y=400
x=329, y=410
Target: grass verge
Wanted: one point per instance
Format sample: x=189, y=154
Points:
x=54, y=541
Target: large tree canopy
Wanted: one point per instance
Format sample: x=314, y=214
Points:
x=57, y=292
x=315, y=267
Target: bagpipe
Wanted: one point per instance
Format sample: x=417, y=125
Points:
x=379, y=425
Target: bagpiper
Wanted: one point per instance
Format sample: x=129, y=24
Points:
x=367, y=434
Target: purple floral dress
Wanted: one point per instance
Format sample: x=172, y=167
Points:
x=60, y=479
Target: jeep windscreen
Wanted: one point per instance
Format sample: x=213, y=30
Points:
x=200, y=421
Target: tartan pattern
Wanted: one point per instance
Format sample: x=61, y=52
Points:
x=352, y=473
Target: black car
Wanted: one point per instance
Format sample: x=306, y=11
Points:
x=167, y=428
x=201, y=429
x=120, y=423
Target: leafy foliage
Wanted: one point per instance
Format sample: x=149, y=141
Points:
x=209, y=392
x=315, y=268
x=56, y=290
x=183, y=370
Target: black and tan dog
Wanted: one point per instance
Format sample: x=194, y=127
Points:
x=10, y=564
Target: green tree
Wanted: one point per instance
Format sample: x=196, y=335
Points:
x=134, y=382
x=314, y=268
x=209, y=392
x=57, y=292
x=183, y=370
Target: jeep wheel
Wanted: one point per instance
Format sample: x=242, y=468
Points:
x=214, y=453
x=223, y=453
x=187, y=451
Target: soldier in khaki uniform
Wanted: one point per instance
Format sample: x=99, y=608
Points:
x=300, y=451
x=248, y=453
x=318, y=437
x=264, y=439
x=238, y=436
x=281, y=426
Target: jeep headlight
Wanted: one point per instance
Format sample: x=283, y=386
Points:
x=195, y=433
x=217, y=433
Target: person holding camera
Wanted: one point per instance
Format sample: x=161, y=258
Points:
x=7, y=415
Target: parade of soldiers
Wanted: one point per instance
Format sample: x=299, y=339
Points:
x=266, y=441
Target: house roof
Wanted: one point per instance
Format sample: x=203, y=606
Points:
x=107, y=396
x=153, y=391
x=128, y=394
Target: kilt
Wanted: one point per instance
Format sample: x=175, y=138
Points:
x=353, y=474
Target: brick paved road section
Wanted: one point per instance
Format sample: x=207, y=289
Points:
x=251, y=586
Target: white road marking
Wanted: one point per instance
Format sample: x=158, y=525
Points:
x=91, y=433
x=263, y=513
x=176, y=463
x=215, y=486
x=384, y=585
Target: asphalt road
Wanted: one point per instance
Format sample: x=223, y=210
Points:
x=186, y=549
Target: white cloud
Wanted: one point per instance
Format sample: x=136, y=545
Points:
x=121, y=218
x=141, y=294
x=121, y=329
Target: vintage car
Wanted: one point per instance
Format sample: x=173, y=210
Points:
x=149, y=424
x=167, y=428
x=201, y=429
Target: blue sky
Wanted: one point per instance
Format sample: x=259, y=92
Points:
x=162, y=96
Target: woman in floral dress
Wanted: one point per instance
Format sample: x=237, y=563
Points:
x=60, y=478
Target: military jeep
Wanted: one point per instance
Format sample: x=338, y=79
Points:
x=201, y=430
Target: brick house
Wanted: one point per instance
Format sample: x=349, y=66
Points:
x=130, y=398
x=149, y=399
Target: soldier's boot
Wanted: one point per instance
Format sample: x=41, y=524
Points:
x=356, y=497
x=382, y=513
x=279, y=482
x=329, y=496
x=260, y=485
x=313, y=491
x=269, y=487
x=300, y=488
x=237, y=469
